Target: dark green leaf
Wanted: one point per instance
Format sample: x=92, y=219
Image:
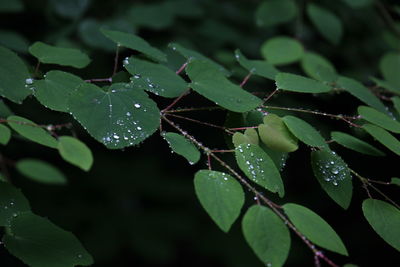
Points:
x=384, y=137
x=11, y=6
x=70, y=9
x=389, y=66
x=355, y=144
x=5, y=134
x=379, y=118
x=40, y=171
x=275, y=12
x=395, y=181
x=358, y=4
x=155, y=16
x=12, y=202
x=183, y=147
x=75, y=152
x=282, y=50
x=301, y=84
x=318, y=67
x=4, y=110
x=257, y=67
x=89, y=32
x=387, y=85
x=396, y=103
x=304, y=132
x=14, y=41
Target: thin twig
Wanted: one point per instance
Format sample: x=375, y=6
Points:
x=115, y=62
x=270, y=95
x=182, y=68
x=175, y=101
x=109, y=79
x=201, y=122
x=245, y=79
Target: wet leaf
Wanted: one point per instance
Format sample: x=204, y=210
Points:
x=355, y=144
x=297, y=83
x=256, y=67
x=12, y=202
x=182, y=146
x=383, y=137
x=378, y=118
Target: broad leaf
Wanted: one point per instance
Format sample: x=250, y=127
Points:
x=383, y=137
x=12, y=202
x=316, y=229
x=318, y=67
x=75, y=152
x=259, y=167
x=389, y=66
x=378, y=118
x=257, y=67
x=182, y=146
x=40, y=171
x=355, y=144
x=333, y=175
x=40, y=243
x=301, y=84
x=384, y=219
x=155, y=78
x=250, y=136
x=13, y=76
x=61, y=56
x=220, y=195
x=14, y=41
x=267, y=235
x=214, y=86
x=5, y=134
x=122, y=116
x=275, y=12
x=282, y=50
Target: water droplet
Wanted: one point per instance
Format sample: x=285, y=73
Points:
x=116, y=136
x=128, y=114
x=139, y=128
x=137, y=76
x=80, y=256
x=29, y=81
x=126, y=61
x=137, y=105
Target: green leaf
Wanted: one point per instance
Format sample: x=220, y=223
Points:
x=378, y=118
x=326, y=22
x=155, y=16
x=384, y=218
x=11, y=6
x=136, y=43
x=5, y=134
x=314, y=228
x=182, y=146
x=2, y=178
x=31, y=131
x=389, y=66
x=40, y=243
x=259, y=167
x=358, y=90
x=282, y=50
x=301, y=84
x=387, y=85
x=122, y=116
x=396, y=103
x=318, y=67
x=4, y=110
x=250, y=136
x=267, y=235
x=257, y=67
x=155, y=78
x=304, y=132
x=355, y=144
x=275, y=12
x=70, y=9
x=75, y=152
x=13, y=76
x=14, y=41
x=275, y=135
x=61, y=56
x=53, y=92
x=214, y=86
x=383, y=137
x=333, y=175
x=220, y=195
x=358, y=4
x=395, y=181
x=40, y=171
x=12, y=202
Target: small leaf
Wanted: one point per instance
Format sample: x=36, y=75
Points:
x=220, y=195
x=389, y=66
x=304, y=132
x=259, y=167
x=12, y=202
x=297, y=83
x=316, y=229
x=395, y=181
x=267, y=235
x=14, y=41
x=40, y=171
x=155, y=78
x=378, y=118
x=250, y=136
x=136, y=43
x=383, y=137
x=327, y=23
x=183, y=147
x=333, y=175
x=75, y=152
x=257, y=67
x=40, y=243
x=275, y=12
x=5, y=134
x=13, y=76
x=384, y=218
x=355, y=144
x=318, y=67
x=61, y=56
x=387, y=85
x=214, y=86
x=53, y=92
x=4, y=110
x=282, y=50
x=31, y=131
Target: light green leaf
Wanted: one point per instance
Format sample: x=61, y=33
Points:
x=40, y=243
x=389, y=66
x=257, y=67
x=355, y=144
x=358, y=90
x=326, y=22
x=53, y=92
x=250, y=136
x=282, y=50
x=275, y=12
x=358, y=4
x=378, y=118
x=267, y=235
x=182, y=146
x=136, y=43
x=220, y=195
x=122, y=116
x=40, y=171
x=5, y=134
x=383, y=137
x=259, y=167
x=304, y=132
x=318, y=67
x=13, y=76
x=31, y=131
x=14, y=41
x=314, y=228
x=384, y=218
x=155, y=78
x=333, y=175
x=75, y=152
x=214, y=86
x=12, y=202
x=301, y=84
x=11, y=6
x=395, y=181
x=61, y=56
